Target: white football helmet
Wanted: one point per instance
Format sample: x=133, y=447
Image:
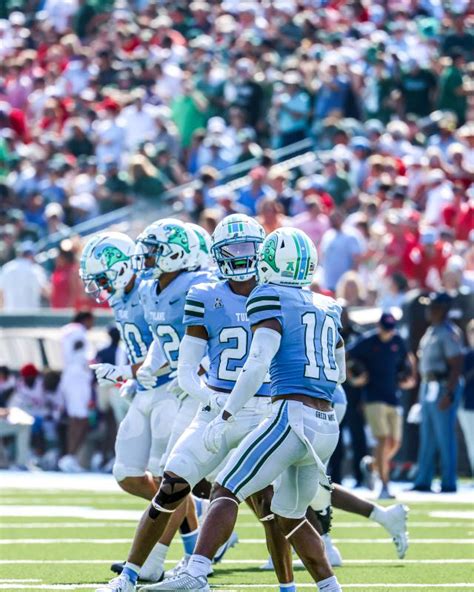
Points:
x=106, y=264
x=167, y=245
x=235, y=244
x=287, y=257
x=203, y=257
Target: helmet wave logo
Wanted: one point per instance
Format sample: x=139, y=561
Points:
x=269, y=253
x=110, y=255
x=177, y=236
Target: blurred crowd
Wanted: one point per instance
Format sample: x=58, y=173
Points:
x=103, y=105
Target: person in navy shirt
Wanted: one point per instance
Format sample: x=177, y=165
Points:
x=466, y=411
x=386, y=365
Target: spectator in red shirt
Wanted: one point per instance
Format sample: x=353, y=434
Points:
x=399, y=242
x=65, y=280
x=427, y=260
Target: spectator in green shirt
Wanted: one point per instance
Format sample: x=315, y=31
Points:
x=189, y=111
x=337, y=184
x=147, y=181
x=417, y=86
x=452, y=95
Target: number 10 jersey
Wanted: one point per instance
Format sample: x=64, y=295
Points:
x=222, y=312
x=305, y=363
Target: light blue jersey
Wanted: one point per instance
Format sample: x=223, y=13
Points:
x=133, y=327
x=222, y=312
x=164, y=310
x=305, y=363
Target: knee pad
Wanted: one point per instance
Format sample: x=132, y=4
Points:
x=172, y=490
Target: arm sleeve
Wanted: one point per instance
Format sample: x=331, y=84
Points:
x=264, y=304
x=155, y=358
x=265, y=344
x=341, y=364
x=191, y=352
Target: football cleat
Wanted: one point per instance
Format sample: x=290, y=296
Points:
x=183, y=581
x=333, y=553
x=268, y=565
x=119, y=584
x=231, y=542
x=385, y=494
x=394, y=520
x=179, y=567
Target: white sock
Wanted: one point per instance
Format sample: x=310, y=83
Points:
x=329, y=585
x=199, y=566
x=154, y=564
x=377, y=514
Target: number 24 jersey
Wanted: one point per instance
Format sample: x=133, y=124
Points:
x=222, y=312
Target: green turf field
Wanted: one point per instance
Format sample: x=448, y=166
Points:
x=70, y=542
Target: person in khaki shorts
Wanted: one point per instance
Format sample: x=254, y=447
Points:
x=384, y=367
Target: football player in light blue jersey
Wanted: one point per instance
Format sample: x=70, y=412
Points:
x=167, y=250
x=107, y=272
x=297, y=338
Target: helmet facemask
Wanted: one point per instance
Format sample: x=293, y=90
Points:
x=237, y=258
x=100, y=286
x=147, y=256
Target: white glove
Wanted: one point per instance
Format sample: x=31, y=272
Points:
x=128, y=390
x=146, y=377
x=214, y=433
x=174, y=389
x=108, y=374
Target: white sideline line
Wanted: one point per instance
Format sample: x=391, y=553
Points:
x=16, y=580
x=128, y=524
x=468, y=561
x=452, y=541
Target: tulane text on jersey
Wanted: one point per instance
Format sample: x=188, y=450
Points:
x=164, y=310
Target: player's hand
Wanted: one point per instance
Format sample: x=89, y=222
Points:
x=108, y=374
x=146, y=377
x=214, y=433
x=128, y=390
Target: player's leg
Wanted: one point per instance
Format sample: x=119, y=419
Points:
x=188, y=458
x=277, y=545
x=392, y=518
x=294, y=492
x=132, y=452
x=257, y=462
x=161, y=409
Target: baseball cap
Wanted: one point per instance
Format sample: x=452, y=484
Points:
x=441, y=298
x=28, y=370
x=387, y=321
